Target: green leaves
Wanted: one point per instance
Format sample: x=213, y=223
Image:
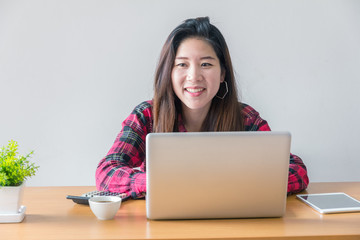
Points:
x=15, y=168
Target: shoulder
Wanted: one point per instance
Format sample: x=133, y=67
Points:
x=252, y=119
x=248, y=111
x=141, y=114
x=145, y=106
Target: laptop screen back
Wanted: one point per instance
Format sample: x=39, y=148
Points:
x=217, y=174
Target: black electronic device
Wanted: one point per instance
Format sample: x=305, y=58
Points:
x=84, y=198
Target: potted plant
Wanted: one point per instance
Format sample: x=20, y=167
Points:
x=14, y=170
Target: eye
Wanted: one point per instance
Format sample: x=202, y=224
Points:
x=206, y=64
x=180, y=65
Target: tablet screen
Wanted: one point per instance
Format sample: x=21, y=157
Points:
x=331, y=202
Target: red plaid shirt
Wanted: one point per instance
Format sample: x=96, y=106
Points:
x=123, y=168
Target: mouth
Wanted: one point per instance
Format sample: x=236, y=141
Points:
x=194, y=90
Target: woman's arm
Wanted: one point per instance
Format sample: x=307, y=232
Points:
x=123, y=168
x=298, y=178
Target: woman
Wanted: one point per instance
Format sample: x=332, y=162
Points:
x=195, y=90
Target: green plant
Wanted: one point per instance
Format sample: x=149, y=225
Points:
x=15, y=168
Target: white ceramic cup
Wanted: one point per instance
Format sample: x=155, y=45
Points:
x=105, y=207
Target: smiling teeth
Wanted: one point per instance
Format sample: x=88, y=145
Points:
x=192, y=90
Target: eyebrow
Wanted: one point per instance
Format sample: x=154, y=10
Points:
x=202, y=58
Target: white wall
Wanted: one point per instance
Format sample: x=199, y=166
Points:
x=71, y=71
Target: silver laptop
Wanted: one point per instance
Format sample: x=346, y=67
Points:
x=216, y=174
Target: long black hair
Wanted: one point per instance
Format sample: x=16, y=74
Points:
x=224, y=113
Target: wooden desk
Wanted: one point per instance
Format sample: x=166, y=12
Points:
x=50, y=215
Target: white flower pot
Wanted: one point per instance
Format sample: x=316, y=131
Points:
x=10, y=199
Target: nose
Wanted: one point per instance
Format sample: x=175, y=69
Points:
x=193, y=74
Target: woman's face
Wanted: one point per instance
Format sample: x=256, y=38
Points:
x=196, y=74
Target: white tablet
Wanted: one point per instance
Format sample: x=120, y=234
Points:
x=331, y=202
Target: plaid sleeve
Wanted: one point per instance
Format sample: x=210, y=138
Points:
x=298, y=179
x=253, y=121
x=123, y=168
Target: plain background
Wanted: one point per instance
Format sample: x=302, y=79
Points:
x=72, y=71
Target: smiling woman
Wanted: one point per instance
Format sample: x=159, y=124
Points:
x=196, y=78
x=194, y=90
x=197, y=49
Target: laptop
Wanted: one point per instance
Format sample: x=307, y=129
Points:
x=212, y=175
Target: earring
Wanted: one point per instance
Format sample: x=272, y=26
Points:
x=227, y=90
